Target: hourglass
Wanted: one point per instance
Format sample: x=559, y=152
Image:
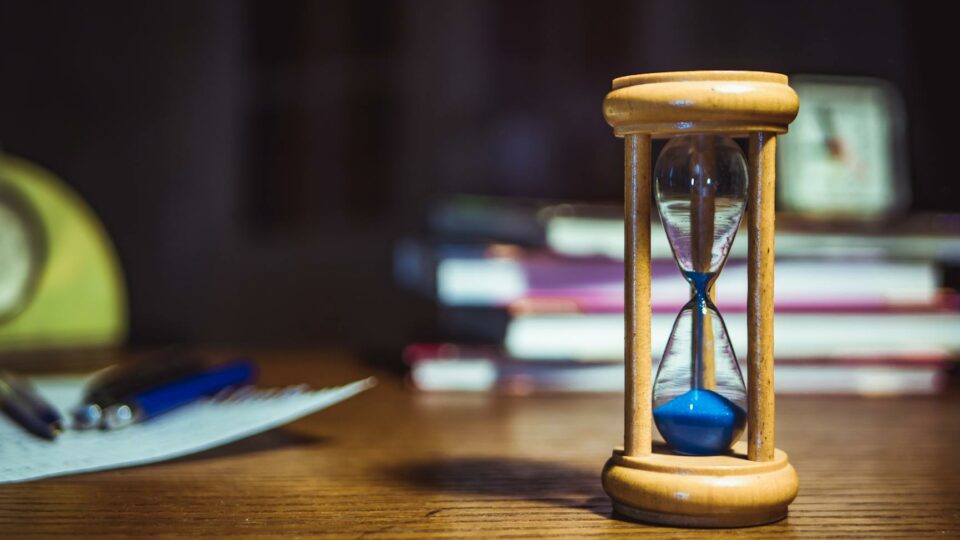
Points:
x=704, y=186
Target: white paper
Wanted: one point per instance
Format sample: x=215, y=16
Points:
x=187, y=430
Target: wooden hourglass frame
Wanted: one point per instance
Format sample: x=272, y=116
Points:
x=754, y=482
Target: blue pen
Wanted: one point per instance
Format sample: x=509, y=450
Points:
x=156, y=401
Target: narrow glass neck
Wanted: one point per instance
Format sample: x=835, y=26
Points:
x=701, y=283
x=701, y=339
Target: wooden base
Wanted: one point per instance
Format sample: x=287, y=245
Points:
x=699, y=522
x=700, y=491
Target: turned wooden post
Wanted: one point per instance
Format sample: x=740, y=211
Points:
x=637, y=368
x=760, y=227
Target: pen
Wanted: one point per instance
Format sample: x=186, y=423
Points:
x=124, y=380
x=22, y=404
x=150, y=403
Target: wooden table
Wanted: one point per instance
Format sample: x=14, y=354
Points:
x=394, y=464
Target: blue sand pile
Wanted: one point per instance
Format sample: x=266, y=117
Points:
x=700, y=422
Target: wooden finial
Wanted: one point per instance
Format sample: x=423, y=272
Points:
x=730, y=102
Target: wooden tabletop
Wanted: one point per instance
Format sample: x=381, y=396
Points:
x=394, y=464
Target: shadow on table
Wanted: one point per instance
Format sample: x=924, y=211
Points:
x=264, y=442
x=523, y=479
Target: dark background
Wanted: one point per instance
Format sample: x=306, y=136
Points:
x=255, y=161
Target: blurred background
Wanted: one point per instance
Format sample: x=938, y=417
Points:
x=257, y=164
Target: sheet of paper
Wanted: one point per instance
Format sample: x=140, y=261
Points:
x=188, y=430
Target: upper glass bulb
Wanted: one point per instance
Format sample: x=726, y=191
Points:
x=700, y=182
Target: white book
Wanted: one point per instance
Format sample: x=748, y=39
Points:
x=797, y=335
x=583, y=236
x=483, y=374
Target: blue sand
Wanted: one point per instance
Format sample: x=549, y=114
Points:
x=700, y=422
x=699, y=280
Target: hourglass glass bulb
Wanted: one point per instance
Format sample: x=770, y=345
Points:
x=701, y=183
x=699, y=398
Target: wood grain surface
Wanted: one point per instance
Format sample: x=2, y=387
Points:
x=638, y=385
x=729, y=102
x=394, y=464
x=761, y=225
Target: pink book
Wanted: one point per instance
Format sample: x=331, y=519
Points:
x=505, y=277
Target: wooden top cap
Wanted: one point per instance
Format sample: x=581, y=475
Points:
x=671, y=103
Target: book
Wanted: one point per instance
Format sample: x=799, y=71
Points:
x=594, y=229
x=582, y=236
x=502, y=276
x=454, y=368
x=599, y=336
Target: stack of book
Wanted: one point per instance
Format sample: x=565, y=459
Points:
x=531, y=299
